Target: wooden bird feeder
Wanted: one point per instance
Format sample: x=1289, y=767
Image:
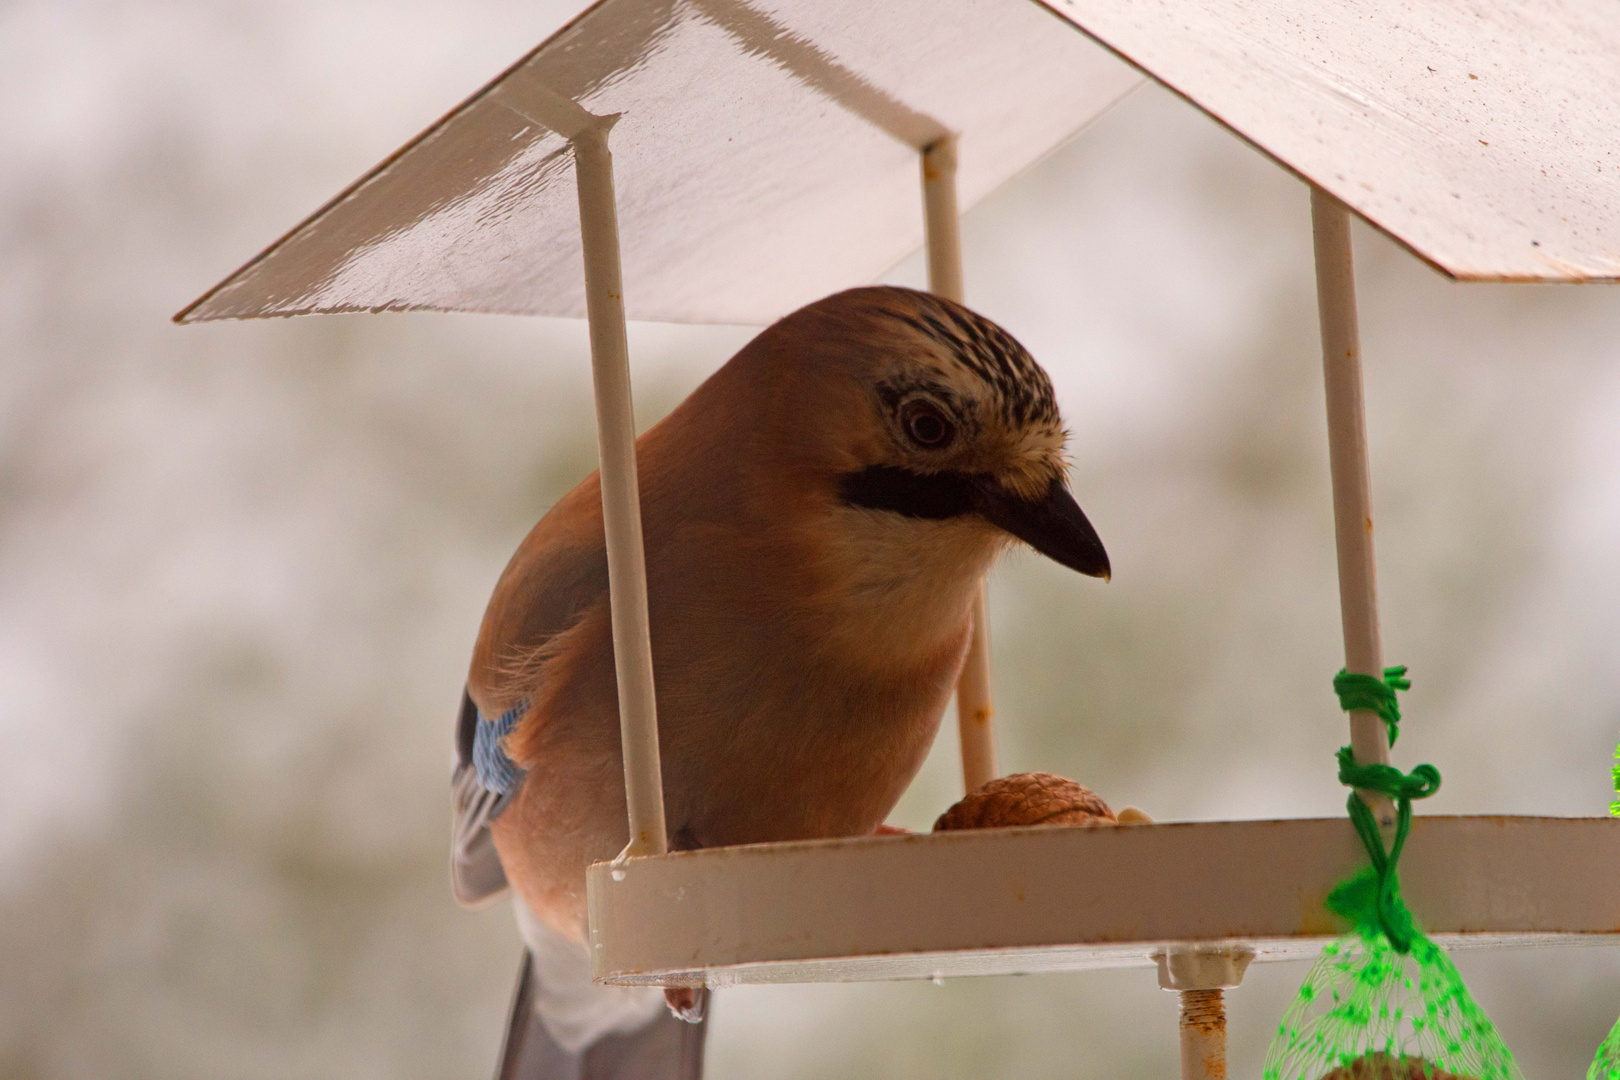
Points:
x=767, y=154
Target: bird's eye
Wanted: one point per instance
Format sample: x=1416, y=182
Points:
x=925, y=425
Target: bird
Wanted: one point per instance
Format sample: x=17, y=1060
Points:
x=818, y=516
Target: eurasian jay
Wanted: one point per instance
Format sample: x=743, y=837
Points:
x=818, y=515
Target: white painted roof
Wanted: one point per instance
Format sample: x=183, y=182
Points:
x=767, y=150
x=767, y=155
x=1483, y=135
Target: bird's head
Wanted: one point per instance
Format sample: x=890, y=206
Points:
x=948, y=433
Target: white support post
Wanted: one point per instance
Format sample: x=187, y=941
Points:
x=621, y=497
x=941, y=220
x=1347, y=455
x=943, y=230
x=1201, y=975
x=616, y=448
x=1203, y=1034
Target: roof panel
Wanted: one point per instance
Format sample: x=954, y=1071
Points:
x=1483, y=135
x=767, y=155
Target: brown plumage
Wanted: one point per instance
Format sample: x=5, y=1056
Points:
x=818, y=515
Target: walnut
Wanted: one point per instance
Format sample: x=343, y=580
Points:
x=1027, y=799
x=1379, y=1066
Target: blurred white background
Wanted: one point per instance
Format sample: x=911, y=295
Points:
x=242, y=565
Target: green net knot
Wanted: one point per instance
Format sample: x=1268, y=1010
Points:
x=1358, y=691
x=1372, y=897
x=1384, y=1000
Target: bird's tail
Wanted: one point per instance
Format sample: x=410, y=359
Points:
x=565, y=1027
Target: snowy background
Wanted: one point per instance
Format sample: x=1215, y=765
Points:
x=242, y=565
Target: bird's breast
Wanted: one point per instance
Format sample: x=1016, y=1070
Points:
x=806, y=747
x=894, y=593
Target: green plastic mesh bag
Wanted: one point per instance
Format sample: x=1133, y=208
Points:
x=1367, y=1011
x=1606, y=1066
x=1384, y=1002
x=1614, y=773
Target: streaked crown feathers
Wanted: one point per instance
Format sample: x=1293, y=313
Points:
x=990, y=385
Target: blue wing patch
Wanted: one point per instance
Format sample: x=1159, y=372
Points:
x=496, y=771
x=485, y=782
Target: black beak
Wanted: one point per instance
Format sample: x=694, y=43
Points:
x=1053, y=525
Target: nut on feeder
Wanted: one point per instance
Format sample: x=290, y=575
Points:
x=1036, y=798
